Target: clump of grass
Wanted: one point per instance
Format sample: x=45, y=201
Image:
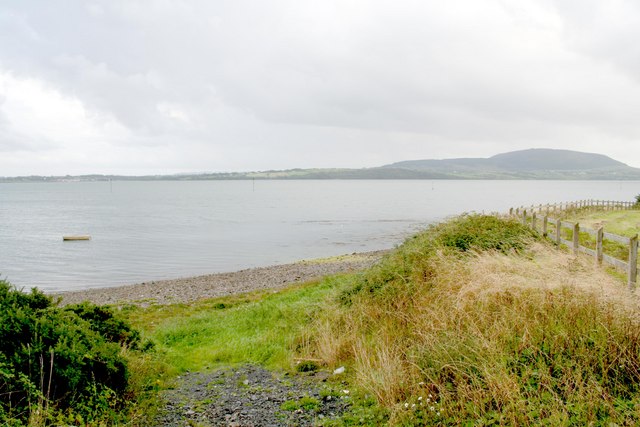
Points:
x=306, y=403
x=256, y=328
x=476, y=321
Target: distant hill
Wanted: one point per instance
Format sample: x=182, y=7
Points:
x=534, y=163
x=526, y=164
x=546, y=159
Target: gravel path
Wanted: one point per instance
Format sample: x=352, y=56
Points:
x=250, y=396
x=245, y=396
x=215, y=285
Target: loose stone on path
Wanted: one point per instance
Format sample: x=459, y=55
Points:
x=250, y=396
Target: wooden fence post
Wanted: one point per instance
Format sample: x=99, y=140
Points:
x=533, y=221
x=510, y=211
x=524, y=217
x=576, y=238
x=633, y=262
x=558, y=231
x=545, y=225
x=599, y=247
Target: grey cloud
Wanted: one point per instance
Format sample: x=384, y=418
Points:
x=494, y=74
x=605, y=31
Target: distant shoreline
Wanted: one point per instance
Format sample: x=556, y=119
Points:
x=189, y=289
x=531, y=164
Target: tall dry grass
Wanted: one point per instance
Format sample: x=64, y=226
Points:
x=477, y=321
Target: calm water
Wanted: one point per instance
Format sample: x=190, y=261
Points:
x=145, y=231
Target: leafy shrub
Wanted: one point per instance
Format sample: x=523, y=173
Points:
x=56, y=357
x=102, y=320
x=482, y=232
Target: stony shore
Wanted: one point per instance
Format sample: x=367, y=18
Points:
x=215, y=285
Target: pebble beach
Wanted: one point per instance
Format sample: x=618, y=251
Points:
x=189, y=289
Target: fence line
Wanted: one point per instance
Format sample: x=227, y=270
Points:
x=530, y=216
x=580, y=204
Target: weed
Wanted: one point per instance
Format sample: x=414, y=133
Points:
x=307, y=366
x=305, y=403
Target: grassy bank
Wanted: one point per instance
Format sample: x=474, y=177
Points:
x=624, y=222
x=493, y=327
x=260, y=327
x=472, y=322
x=476, y=321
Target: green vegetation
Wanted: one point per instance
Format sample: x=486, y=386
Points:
x=259, y=328
x=622, y=222
x=435, y=347
x=307, y=403
x=61, y=365
x=475, y=321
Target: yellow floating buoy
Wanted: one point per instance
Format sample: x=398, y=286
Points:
x=67, y=238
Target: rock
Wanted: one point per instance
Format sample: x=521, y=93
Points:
x=339, y=371
x=259, y=405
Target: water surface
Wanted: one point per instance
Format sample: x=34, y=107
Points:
x=144, y=231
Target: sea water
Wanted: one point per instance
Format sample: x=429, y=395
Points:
x=152, y=230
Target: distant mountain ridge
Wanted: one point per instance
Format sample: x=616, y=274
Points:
x=534, y=159
x=535, y=163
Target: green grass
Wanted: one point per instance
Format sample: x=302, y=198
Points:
x=432, y=322
x=306, y=403
x=261, y=328
x=624, y=223
x=472, y=322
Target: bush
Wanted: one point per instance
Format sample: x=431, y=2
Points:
x=58, y=358
x=483, y=233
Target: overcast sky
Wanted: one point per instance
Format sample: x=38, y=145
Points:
x=163, y=86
